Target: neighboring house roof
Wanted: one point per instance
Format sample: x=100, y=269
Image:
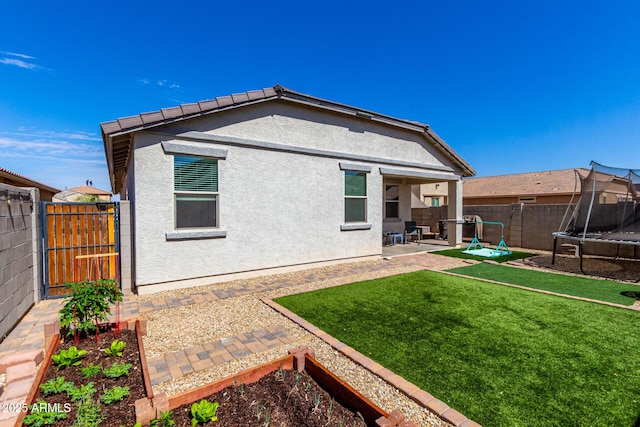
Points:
x=117, y=134
x=87, y=189
x=23, y=181
x=556, y=182
x=66, y=195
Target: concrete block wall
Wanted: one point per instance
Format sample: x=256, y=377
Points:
x=18, y=263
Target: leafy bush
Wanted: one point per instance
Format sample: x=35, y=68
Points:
x=117, y=370
x=55, y=386
x=88, y=414
x=90, y=370
x=115, y=394
x=116, y=348
x=42, y=415
x=88, y=303
x=203, y=412
x=66, y=358
x=83, y=393
x=165, y=420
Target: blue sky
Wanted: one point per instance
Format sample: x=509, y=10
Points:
x=511, y=86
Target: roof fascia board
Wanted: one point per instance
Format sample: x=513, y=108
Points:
x=272, y=146
x=26, y=181
x=185, y=117
x=418, y=174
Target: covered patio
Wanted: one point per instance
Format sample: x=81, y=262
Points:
x=426, y=245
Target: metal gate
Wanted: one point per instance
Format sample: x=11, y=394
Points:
x=80, y=241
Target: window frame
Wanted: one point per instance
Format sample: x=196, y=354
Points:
x=396, y=202
x=359, y=225
x=356, y=197
x=215, y=194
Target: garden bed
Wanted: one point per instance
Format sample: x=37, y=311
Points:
x=116, y=414
x=277, y=394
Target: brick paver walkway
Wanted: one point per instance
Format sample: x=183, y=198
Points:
x=28, y=335
x=200, y=357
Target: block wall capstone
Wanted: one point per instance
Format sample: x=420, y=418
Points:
x=16, y=255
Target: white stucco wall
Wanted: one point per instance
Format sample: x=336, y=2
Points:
x=277, y=208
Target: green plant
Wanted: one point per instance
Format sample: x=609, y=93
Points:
x=88, y=414
x=117, y=370
x=84, y=392
x=42, y=414
x=115, y=394
x=329, y=411
x=116, y=348
x=316, y=400
x=55, y=386
x=295, y=386
x=259, y=408
x=66, y=358
x=88, y=303
x=165, y=420
x=90, y=370
x=281, y=374
x=203, y=412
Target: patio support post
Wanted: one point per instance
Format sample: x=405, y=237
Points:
x=454, y=213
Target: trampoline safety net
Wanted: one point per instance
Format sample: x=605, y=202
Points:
x=608, y=207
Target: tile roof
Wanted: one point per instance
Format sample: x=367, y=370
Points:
x=87, y=189
x=524, y=184
x=117, y=134
x=27, y=182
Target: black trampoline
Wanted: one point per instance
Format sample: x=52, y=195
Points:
x=606, y=211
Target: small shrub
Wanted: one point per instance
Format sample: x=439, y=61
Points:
x=115, y=394
x=88, y=414
x=203, y=412
x=116, y=348
x=165, y=420
x=43, y=414
x=88, y=303
x=117, y=370
x=90, y=370
x=55, y=386
x=66, y=358
x=83, y=393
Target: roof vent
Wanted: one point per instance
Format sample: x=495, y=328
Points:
x=364, y=115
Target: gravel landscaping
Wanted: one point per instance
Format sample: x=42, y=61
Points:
x=178, y=328
x=222, y=318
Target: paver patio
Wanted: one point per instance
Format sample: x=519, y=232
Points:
x=29, y=333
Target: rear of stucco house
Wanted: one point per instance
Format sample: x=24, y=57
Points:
x=266, y=181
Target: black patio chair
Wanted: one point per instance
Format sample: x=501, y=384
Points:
x=410, y=230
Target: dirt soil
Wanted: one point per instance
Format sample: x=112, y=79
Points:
x=283, y=399
x=624, y=270
x=116, y=414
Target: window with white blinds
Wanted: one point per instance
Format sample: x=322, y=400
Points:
x=355, y=196
x=196, y=191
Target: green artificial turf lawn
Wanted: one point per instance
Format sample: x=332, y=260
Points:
x=601, y=290
x=502, y=356
x=457, y=253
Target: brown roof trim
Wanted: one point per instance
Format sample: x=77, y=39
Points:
x=28, y=182
x=117, y=134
